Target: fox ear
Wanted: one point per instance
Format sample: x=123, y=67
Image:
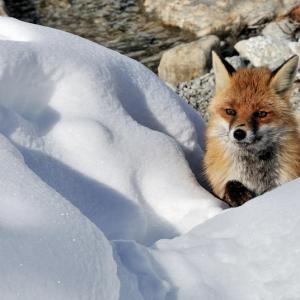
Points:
x=283, y=77
x=223, y=71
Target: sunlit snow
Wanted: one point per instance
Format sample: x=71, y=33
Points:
x=99, y=197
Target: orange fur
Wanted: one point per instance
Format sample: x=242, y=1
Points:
x=248, y=91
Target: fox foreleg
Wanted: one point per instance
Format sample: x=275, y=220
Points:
x=237, y=194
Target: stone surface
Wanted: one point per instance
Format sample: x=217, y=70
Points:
x=2, y=9
x=215, y=16
x=198, y=92
x=279, y=41
x=187, y=61
x=266, y=51
x=283, y=29
x=286, y=27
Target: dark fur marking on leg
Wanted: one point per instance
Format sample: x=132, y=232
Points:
x=237, y=194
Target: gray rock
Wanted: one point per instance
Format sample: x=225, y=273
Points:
x=204, y=17
x=237, y=62
x=277, y=43
x=187, y=61
x=198, y=92
x=2, y=9
x=283, y=29
x=287, y=27
x=266, y=51
x=295, y=99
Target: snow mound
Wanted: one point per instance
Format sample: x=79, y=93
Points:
x=255, y=256
x=250, y=252
x=47, y=244
x=90, y=142
x=99, y=161
x=102, y=131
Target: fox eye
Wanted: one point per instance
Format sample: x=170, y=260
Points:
x=260, y=114
x=230, y=112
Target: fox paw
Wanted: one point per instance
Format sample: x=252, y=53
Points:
x=237, y=194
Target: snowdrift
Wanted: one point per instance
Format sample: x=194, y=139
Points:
x=250, y=252
x=47, y=246
x=95, y=126
x=99, y=161
x=90, y=141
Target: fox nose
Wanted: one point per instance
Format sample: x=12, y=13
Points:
x=239, y=134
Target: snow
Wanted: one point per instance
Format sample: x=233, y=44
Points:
x=257, y=254
x=47, y=244
x=99, y=197
x=95, y=125
x=250, y=252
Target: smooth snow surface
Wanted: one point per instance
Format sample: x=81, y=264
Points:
x=83, y=127
x=102, y=131
x=250, y=252
x=46, y=246
x=255, y=256
x=98, y=163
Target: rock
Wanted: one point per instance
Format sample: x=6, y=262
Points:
x=2, y=9
x=278, y=43
x=237, y=62
x=204, y=17
x=295, y=100
x=283, y=29
x=199, y=92
x=286, y=27
x=187, y=61
x=266, y=51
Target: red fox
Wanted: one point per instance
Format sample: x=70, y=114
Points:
x=252, y=139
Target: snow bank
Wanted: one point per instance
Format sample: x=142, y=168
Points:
x=250, y=252
x=103, y=132
x=47, y=246
x=92, y=142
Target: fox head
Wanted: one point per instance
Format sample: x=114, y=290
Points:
x=251, y=106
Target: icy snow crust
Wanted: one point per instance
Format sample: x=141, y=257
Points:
x=98, y=161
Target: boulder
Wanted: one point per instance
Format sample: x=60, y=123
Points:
x=286, y=27
x=2, y=9
x=204, y=17
x=266, y=50
x=283, y=29
x=187, y=61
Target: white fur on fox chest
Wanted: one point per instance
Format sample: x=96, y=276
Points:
x=257, y=174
